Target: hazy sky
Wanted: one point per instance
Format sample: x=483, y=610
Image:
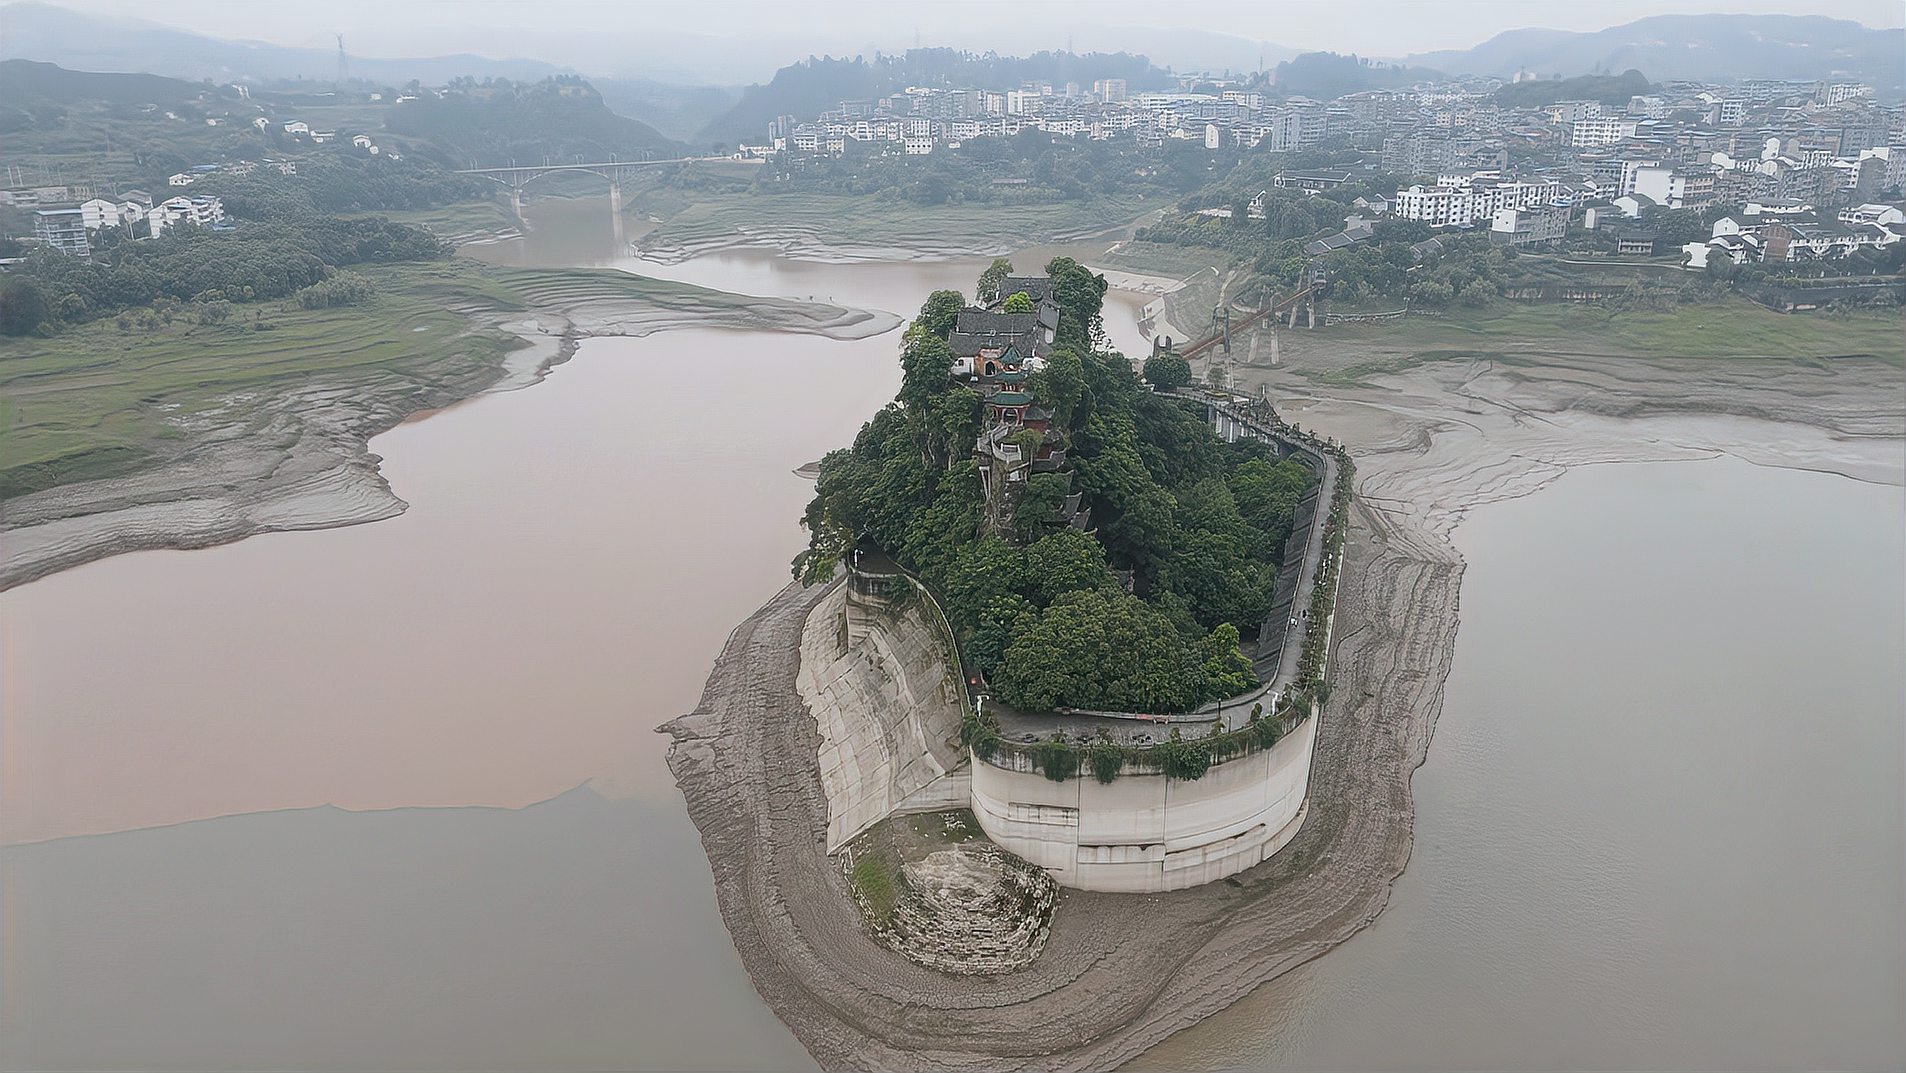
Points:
x=501, y=28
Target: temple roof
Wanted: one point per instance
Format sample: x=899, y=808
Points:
x=1033, y=287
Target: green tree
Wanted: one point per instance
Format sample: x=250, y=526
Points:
x=1059, y=385
x=23, y=305
x=1167, y=371
x=1227, y=672
x=989, y=280
x=1021, y=302
x=1080, y=293
x=1101, y=650
x=926, y=366
x=938, y=313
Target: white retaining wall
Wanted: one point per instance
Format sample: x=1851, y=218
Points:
x=1147, y=833
x=888, y=713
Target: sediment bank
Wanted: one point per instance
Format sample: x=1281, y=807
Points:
x=1122, y=972
x=299, y=458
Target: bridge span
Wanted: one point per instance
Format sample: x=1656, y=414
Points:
x=518, y=176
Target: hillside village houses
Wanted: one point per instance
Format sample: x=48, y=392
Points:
x=66, y=215
x=1526, y=175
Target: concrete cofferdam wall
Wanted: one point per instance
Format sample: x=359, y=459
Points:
x=1143, y=833
x=876, y=680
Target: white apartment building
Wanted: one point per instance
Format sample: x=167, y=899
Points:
x=1573, y=111
x=1840, y=92
x=198, y=211
x=1649, y=106
x=1672, y=189
x=1460, y=202
x=100, y=212
x=1603, y=130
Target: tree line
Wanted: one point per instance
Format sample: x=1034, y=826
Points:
x=256, y=262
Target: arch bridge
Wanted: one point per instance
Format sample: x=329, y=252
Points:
x=516, y=177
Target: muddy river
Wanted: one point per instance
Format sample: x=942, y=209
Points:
x=389, y=797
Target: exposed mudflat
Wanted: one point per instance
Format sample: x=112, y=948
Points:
x=1122, y=972
x=300, y=459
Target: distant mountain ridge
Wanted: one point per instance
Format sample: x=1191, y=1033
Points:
x=72, y=39
x=22, y=81
x=1694, y=47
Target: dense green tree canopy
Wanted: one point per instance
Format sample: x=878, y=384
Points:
x=1080, y=293
x=1146, y=611
x=1167, y=371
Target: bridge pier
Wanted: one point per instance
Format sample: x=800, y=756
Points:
x=615, y=211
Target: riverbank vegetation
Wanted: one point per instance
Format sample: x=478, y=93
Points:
x=1145, y=611
x=118, y=395
x=204, y=268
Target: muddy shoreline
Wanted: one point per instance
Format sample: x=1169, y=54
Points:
x=302, y=459
x=1121, y=973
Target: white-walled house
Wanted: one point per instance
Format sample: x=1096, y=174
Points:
x=1877, y=215
x=100, y=212
x=200, y=211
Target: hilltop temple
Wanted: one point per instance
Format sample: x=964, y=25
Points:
x=997, y=352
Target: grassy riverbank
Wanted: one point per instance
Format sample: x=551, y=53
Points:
x=1531, y=334
x=97, y=401
x=694, y=219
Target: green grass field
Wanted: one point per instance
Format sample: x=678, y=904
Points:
x=96, y=401
x=875, y=221
x=1731, y=329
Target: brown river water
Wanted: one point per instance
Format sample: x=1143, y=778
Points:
x=389, y=797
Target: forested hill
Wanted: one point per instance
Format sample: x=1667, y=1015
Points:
x=495, y=121
x=818, y=84
x=1608, y=89
x=22, y=81
x=1326, y=76
x=1143, y=612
